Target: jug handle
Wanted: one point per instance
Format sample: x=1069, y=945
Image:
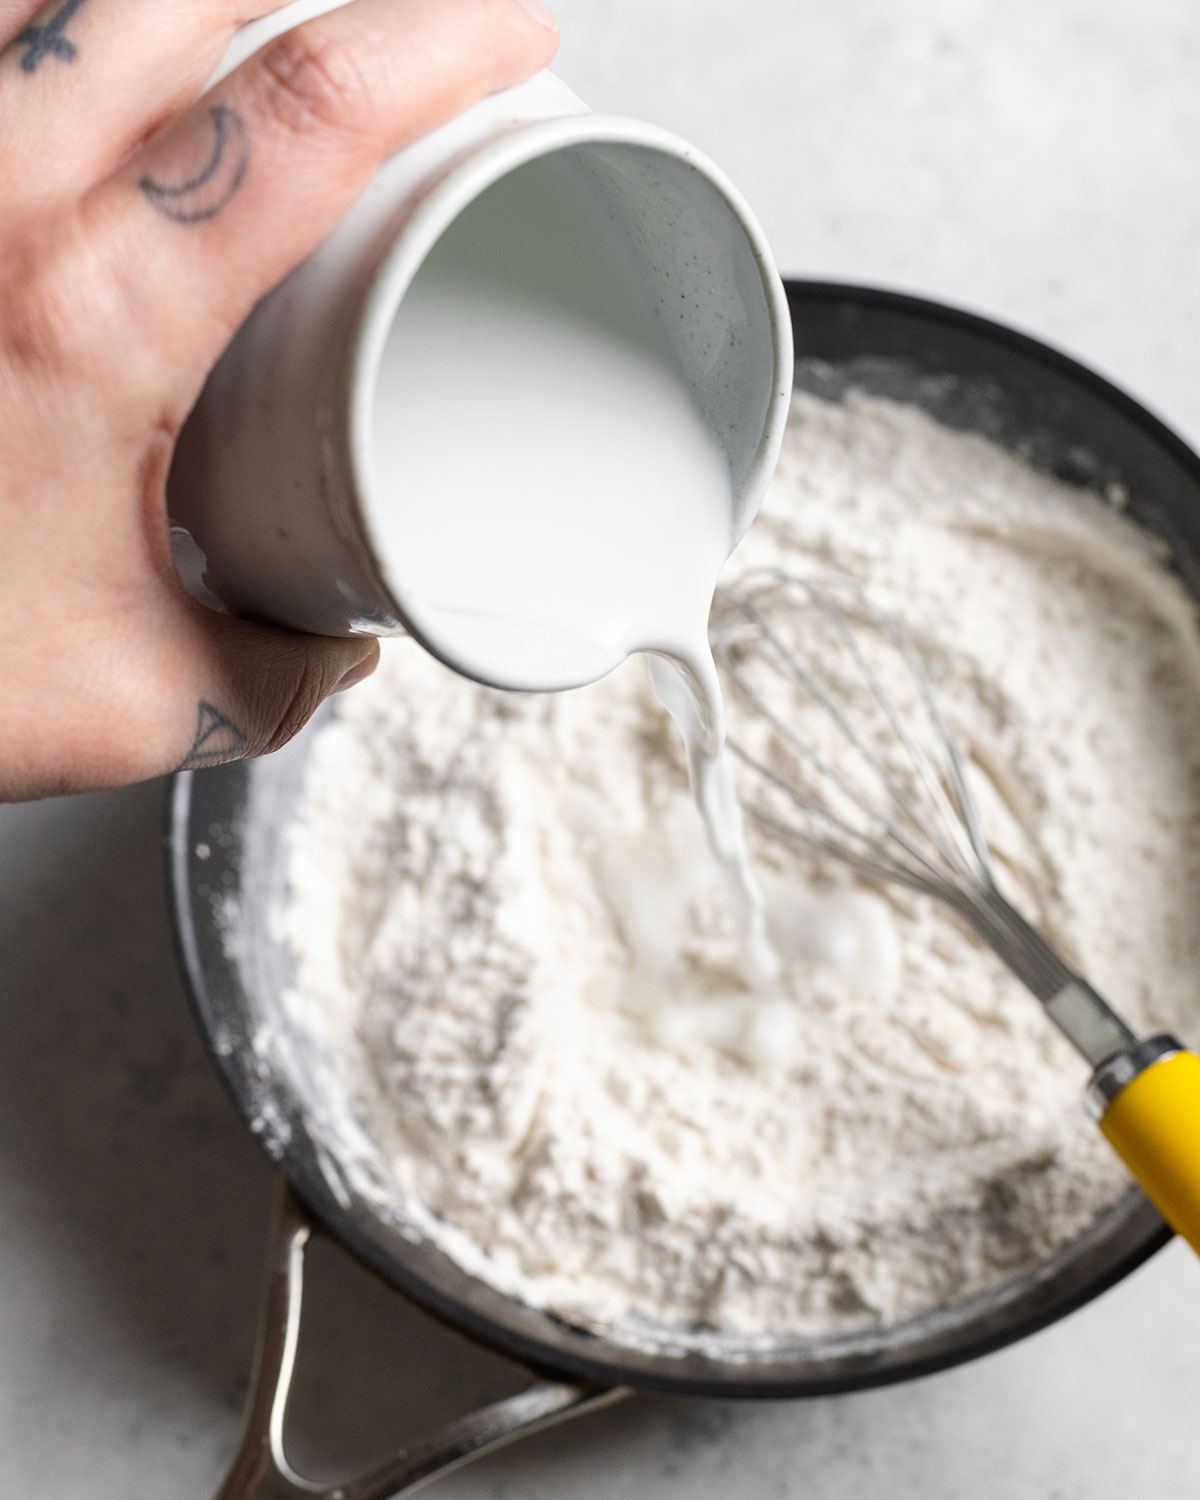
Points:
x=260, y=1469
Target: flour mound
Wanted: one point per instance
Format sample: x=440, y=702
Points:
x=528, y=973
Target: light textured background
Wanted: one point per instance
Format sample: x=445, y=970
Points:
x=1033, y=160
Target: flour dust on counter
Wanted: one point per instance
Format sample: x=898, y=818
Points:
x=524, y=970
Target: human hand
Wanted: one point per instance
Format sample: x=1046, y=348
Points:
x=139, y=223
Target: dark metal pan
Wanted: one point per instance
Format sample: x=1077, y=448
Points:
x=226, y=870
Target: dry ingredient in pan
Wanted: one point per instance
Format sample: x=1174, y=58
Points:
x=516, y=956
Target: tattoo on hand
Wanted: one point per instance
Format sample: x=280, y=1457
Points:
x=204, y=196
x=217, y=739
x=49, y=40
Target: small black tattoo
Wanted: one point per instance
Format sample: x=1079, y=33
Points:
x=206, y=194
x=49, y=40
x=217, y=739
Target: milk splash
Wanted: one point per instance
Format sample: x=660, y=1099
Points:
x=691, y=693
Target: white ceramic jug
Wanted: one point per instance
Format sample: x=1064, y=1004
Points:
x=274, y=477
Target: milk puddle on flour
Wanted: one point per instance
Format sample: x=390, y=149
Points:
x=574, y=505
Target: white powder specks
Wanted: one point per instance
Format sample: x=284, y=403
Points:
x=516, y=951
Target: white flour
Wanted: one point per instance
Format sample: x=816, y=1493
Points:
x=517, y=952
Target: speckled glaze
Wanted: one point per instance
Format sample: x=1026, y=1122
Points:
x=272, y=465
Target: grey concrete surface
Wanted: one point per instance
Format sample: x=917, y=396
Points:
x=1034, y=161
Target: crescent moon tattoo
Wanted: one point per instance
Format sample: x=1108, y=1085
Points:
x=204, y=196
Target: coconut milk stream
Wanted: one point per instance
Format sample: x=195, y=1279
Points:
x=562, y=502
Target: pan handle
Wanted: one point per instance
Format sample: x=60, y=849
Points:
x=260, y=1469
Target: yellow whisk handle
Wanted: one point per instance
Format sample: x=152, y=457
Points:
x=1152, y=1121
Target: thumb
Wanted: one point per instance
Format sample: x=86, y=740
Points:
x=245, y=689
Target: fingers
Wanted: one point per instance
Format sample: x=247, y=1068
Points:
x=226, y=201
x=168, y=686
x=226, y=689
x=83, y=82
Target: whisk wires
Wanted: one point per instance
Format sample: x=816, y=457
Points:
x=908, y=818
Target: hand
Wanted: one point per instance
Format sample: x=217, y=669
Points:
x=118, y=293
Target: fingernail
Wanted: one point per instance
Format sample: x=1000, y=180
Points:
x=542, y=14
x=357, y=672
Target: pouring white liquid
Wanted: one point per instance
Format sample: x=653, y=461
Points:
x=574, y=504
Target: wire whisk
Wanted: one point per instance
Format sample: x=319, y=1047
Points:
x=888, y=794
x=894, y=802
